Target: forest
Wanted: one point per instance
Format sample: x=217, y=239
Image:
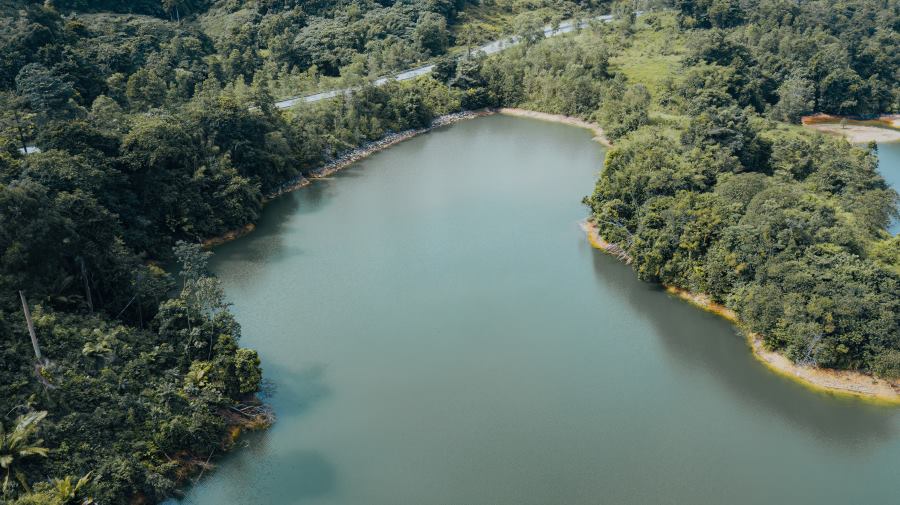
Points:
x=132, y=131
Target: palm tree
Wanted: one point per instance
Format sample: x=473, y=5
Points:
x=67, y=490
x=16, y=445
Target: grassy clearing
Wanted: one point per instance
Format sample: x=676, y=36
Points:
x=218, y=23
x=654, y=53
x=484, y=19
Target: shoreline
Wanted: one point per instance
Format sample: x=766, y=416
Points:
x=885, y=128
x=387, y=141
x=599, y=134
x=392, y=139
x=228, y=236
x=839, y=382
x=823, y=380
x=343, y=161
x=190, y=467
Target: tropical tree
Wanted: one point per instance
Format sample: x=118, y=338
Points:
x=624, y=109
x=68, y=490
x=430, y=34
x=47, y=93
x=17, y=445
x=65, y=491
x=529, y=27
x=797, y=96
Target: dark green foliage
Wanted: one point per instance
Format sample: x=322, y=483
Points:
x=796, y=97
x=785, y=228
x=45, y=92
x=561, y=75
x=785, y=248
x=130, y=405
x=833, y=56
x=711, y=13
x=255, y=143
x=179, y=184
x=624, y=109
x=146, y=143
x=728, y=131
x=153, y=7
x=78, y=137
x=248, y=371
x=159, y=129
x=430, y=34
x=277, y=39
x=887, y=364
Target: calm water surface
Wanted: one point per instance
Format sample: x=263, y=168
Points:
x=889, y=166
x=439, y=332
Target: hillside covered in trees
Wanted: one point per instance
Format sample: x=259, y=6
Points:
x=156, y=129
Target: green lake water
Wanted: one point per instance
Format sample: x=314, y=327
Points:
x=438, y=331
x=889, y=166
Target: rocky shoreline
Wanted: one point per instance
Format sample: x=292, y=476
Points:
x=389, y=140
x=367, y=149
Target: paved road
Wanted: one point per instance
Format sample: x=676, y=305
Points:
x=489, y=48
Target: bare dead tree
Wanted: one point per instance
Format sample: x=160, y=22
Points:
x=809, y=359
x=30, y=323
x=21, y=134
x=140, y=277
x=87, y=285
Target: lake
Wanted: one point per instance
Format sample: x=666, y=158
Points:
x=438, y=331
x=889, y=166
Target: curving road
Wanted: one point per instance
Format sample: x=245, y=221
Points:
x=489, y=48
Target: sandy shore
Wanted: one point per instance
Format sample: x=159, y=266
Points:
x=840, y=382
x=858, y=134
x=599, y=135
x=844, y=382
x=876, y=130
x=892, y=120
x=599, y=242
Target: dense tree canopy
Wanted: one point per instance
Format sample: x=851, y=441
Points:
x=154, y=128
x=833, y=56
x=785, y=227
x=157, y=129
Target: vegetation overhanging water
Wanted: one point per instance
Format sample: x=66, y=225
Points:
x=427, y=344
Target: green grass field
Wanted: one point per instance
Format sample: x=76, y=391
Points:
x=654, y=53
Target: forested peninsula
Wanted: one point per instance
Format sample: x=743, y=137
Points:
x=134, y=130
